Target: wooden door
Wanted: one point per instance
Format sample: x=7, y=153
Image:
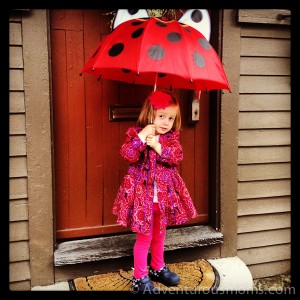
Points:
x=88, y=166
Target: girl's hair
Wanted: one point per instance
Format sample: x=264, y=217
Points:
x=148, y=113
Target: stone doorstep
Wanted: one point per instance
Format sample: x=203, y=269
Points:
x=59, y=286
x=234, y=274
x=108, y=247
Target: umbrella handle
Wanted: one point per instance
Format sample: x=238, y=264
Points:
x=154, y=89
x=155, y=83
x=151, y=114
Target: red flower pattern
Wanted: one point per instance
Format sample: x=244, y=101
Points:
x=134, y=201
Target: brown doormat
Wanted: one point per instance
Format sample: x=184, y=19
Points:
x=197, y=275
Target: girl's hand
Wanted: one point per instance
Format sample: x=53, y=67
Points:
x=147, y=130
x=151, y=141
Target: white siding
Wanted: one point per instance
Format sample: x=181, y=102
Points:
x=19, y=270
x=264, y=149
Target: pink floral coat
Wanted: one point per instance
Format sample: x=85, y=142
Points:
x=134, y=202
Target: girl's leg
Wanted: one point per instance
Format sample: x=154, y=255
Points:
x=158, y=271
x=140, y=255
x=158, y=242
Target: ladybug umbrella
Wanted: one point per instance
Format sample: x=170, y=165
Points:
x=161, y=53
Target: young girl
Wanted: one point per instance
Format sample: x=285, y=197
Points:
x=152, y=195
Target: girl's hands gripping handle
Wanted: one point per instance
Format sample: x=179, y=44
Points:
x=147, y=130
x=152, y=141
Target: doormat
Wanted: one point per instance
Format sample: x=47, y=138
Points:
x=197, y=275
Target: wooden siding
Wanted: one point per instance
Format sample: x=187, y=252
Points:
x=267, y=205
x=258, y=255
x=263, y=154
x=264, y=102
x=266, y=16
x=258, y=238
x=264, y=164
x=19, y=269
x=264, y=171
x=263, y=222
x=270, y=268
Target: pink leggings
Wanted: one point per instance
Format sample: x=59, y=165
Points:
x=156, y=243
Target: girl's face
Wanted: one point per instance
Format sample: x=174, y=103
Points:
x=164, y=119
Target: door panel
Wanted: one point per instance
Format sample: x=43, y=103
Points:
x=88, y=166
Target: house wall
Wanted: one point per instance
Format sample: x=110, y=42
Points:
x=264, y=175
x=30, y=166
x=255, y=149
x=19, y=268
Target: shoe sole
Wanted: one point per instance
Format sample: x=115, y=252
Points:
x=173, y=284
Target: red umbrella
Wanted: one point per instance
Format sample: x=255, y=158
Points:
x=165, y=54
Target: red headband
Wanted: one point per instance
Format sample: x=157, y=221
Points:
x=160, y=99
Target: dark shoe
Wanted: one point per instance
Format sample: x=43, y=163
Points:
x=164, y=276
x=143, y=284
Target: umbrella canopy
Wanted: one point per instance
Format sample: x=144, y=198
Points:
x=161, y=53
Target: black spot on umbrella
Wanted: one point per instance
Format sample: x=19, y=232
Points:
x=174, y=37
x=137, y=33
x=126, y=70
x=204, y=43
x=160, y=24
x=156, y=52
x=160, y=75
x=136, y=23
x=199, y=60
x=187, y=29
x=132, y=11
x=116, y=49
x=197, y=16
